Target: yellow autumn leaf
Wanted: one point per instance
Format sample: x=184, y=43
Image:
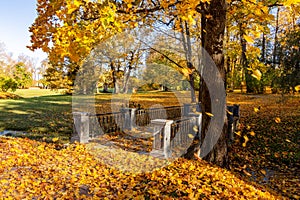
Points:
x=186, y=71
x=209, y=114
x=55, y=139
x=252, y=133
x=230, y=113
x=77, y=3
x=238, y=133
x=288, y=140
x=256, y=74
x=208, y=16
x=248, y=39
x=71, y=8
x=277, y=120
x=263, y=172
x=191, y=136
x=256, y=109
x=247, y=173
x=246, y=138
x=195, y=128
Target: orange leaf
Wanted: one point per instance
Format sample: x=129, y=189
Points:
x=277, y=120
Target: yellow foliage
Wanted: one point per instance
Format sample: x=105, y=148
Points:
x=27, y=172
x=248, y=39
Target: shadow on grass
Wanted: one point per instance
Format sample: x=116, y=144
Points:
x=45, y=116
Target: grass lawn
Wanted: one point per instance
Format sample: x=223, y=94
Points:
x=264, y=156
x=42, y=113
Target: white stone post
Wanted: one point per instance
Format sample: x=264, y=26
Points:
x=81, y=127
x=166, y=142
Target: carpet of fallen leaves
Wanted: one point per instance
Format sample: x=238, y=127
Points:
x=266, y=149
x=36, y=170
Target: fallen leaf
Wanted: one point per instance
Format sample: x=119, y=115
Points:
x=247, y=173
x=277, y=120
x=256, y=109
x=263, y=171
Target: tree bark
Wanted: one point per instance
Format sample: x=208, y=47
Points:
x=276, y=38
x=187, y=46
x=215, y=28
x=263, y=49
x=244, y=62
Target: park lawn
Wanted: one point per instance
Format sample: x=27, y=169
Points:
x=41, y=113
x=28, y=93
x=269, y=160
x=46, y=114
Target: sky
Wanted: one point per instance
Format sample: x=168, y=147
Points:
x=16, y=16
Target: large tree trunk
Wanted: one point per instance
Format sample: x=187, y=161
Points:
x=126, y=81
x=214, y=137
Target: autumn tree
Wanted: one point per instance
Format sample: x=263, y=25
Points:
x=22, y=76
x=69, y=30
x=118, y=58
x=289, y=56
x=14, y=74
x=247, y=22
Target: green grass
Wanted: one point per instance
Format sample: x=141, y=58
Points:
x=41, y=113
x=28, y=93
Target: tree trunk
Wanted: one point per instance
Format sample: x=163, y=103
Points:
x=213, y=138
x=187, y=46
x=105, y=88
x=126, y=81
x=127, y=75
x=244, y=62
x=263, y=49
x=276, y=38
x=192, y=86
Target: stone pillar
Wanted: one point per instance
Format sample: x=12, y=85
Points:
x=81, y=127
x=129, y=118
x=166, y=137
x=230, y=120
x=198, y=121
x=186, y=109
x=132, y=118
x=127, y=121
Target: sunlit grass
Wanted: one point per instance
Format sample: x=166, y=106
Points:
x=28, y=93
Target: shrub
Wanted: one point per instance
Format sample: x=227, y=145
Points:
x=7, y=83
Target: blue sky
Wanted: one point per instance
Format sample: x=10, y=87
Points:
x=15, y=18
